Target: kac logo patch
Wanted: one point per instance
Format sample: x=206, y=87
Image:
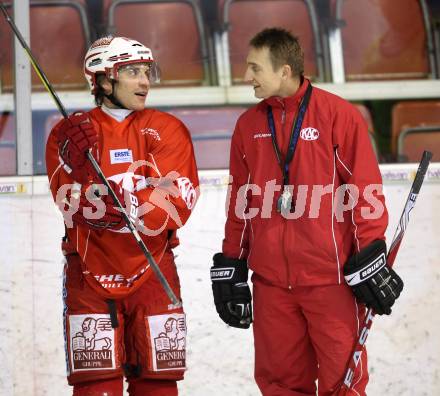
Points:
x=309, y=134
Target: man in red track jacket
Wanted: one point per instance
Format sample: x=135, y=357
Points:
x=306, y=210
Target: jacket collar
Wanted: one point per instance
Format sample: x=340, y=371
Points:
x=289, y=103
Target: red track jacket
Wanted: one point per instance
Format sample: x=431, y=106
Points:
x=333, y=154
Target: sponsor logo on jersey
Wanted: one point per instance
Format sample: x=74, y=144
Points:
x=309, y=134
x=120, y=156
x=151, y=132
x=92, y=342
x=110, y=281
x=168, y=341
x=260, y=135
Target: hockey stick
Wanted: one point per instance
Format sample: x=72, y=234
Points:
x=95, y=165
x=395, y=245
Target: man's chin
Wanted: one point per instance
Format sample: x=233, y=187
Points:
x=258, y=94
x=138, y=106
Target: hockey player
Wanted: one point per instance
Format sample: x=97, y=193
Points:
x=117, y=314
x=308, y=217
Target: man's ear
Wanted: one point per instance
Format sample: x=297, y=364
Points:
x=105, y=84
x=286, y=72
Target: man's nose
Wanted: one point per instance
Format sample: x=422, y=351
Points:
x=143, y=79
x=248, y=75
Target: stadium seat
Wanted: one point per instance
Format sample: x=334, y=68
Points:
x=242, y=19
x=434, y=13
x=211, y=130
x=366, y=115
x=172, y=29
x=59, y=39
x=385, y=39
x=8, y=157
x=413, y=141
x=419, y=121
x=369, y=120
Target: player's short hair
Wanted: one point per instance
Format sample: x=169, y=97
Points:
x=99, y=94
x=284, y=49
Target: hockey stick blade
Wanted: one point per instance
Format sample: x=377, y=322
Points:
x=395, y=245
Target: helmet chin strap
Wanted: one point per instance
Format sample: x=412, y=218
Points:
x=112, y=98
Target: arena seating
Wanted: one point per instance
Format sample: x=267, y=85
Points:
x=8, y=158
x=378, y=43
x=242, y=19
x=413, y=141
x=211, y=130
x=369, y=120
x=172, y=29
x=382, y=44
x=54, y=27
x=415, y=127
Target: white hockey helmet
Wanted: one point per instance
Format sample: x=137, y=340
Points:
x=106, y=55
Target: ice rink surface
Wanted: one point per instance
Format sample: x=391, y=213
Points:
x=404, y=349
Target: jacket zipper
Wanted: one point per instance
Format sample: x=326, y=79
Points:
x=289, y=286
x=283, y=122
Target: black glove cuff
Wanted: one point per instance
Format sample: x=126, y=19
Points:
x=363, y=265
x=229, y=270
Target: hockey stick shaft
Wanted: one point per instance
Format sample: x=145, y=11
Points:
x=95, y=165
x=395, y=245
x=136, y=235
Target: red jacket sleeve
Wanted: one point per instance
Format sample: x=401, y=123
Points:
x=358, y=167
x=236, y=242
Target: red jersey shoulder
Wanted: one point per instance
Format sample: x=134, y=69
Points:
x=160, y=125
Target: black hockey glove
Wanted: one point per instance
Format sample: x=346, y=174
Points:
x=374, y=283
x=232, y=296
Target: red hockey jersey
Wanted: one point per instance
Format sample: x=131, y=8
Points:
x=148, y=148
x=333, y=161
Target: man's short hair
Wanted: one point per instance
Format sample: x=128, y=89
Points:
x=100, y=93
x=284, y=49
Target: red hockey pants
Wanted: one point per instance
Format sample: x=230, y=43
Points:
x=148, y=345
x=303, y=335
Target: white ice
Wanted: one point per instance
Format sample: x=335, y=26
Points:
x=404, y=349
